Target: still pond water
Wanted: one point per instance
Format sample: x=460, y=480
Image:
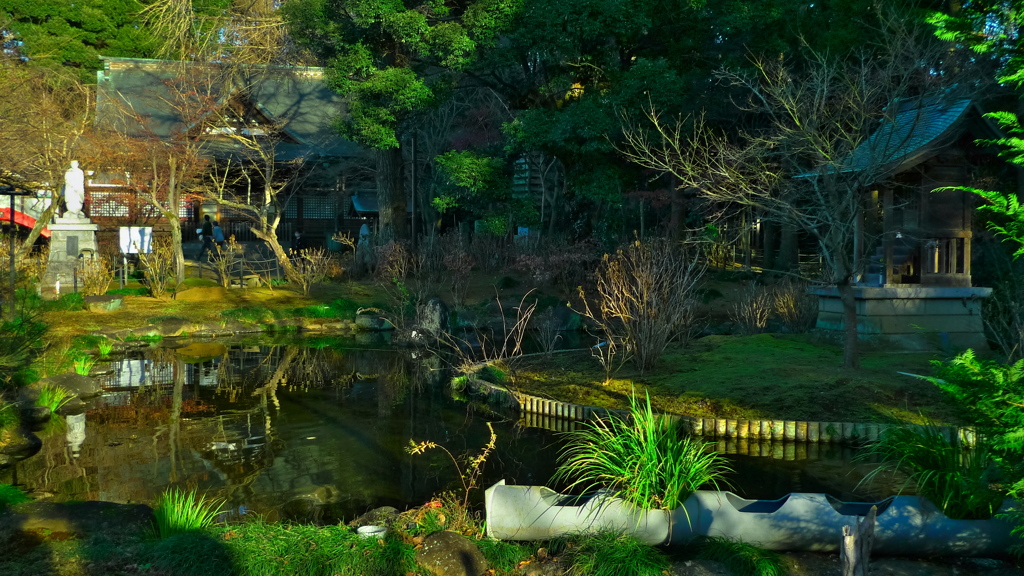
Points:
x=284, y=428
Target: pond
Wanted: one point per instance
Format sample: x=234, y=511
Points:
x=318, y=427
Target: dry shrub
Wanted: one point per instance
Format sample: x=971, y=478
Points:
x=753, y=310
x=311, y=267
x=158, y=266
x=794, y=306
x=646, y=297
x=394, y=261
x=95, y=275
x=224, y=258
x=562, y=264
x=28, y=271
x=547, y=325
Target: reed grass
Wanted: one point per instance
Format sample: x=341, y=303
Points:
x=178, y=512
x=957, y=480
x=53, y=397
x=645, y=459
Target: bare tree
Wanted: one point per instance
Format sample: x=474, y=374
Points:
x=826, y=134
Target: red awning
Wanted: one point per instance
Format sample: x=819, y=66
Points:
x=21, y=219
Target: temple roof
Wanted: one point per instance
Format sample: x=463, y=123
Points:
x=166, y=98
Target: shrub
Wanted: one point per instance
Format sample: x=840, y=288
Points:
x=646, y=297
x=311, y=267
x=752, y=311
x=158, y=267
x=177, y=512
x=954, y=479
x=95, y=275
x=791, y=303
x=646, y=460
x=11, y=496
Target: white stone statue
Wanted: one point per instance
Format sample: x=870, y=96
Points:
x=74, y=190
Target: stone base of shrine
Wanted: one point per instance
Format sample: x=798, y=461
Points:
x=910, y=317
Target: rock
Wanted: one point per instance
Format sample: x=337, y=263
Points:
x=81, y=518
x=17, y=443
x=451, y=554
x=373, y=323
x=201, y=351
x=304, y=510
x=32, y=414
x=383, y=516
x=105, y=303
x=434, y=318
x=173, y=327
x=80, y=386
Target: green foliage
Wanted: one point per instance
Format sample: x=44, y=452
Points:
x=8, y=414
x=20, y=344
x=12, y=496
x=956, y=480
x=53, y=397
x=741, y=558
x=609, y=554
x=493, y=374
x=105, y=348
x=504, y=556
x=249, y=314
x=198, y=553
x=84, y=364
x=129, y=292
x=646, y=460
x=177, y=512
x=989, y=395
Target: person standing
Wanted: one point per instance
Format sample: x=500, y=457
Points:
x=218, y=235
x=207, y=232
x=299, y=243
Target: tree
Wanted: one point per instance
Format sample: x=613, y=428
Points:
x=389, y=60
x=73, y=35
x=811, y=156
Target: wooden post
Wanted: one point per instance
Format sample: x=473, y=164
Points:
x=855, y=553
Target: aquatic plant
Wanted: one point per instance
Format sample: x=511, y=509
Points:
x=609, y=554
x=644, y=459
x=105, y=347
x=955, y=479
x=741, y=558
x=53, y=397
x=177, y=512
x=84, y=364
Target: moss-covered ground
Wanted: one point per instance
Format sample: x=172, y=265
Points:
x=765, y=376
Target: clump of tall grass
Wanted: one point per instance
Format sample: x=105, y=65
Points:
x=84, y=364
x=53, y=397
x=11, y=495
x=504, y=556
x=645, y=459
x=740, y=558
x=105, y=347
x=609, y=554
x=178, y=512
x=8, y=414
x=957, y=480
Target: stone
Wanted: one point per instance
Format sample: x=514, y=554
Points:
x=434, y=318
x=173, y=327
x=303, y=510
x=383, y=516
x=373, y=323
x=103, y=304
x=201, y=351
x=17, y=443
x=451, y=554
x=80, y=386
x=31, y=414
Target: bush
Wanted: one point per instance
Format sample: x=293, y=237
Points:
x=178, y=512
x=740, y=558
x=11, y=496
x=646, y=297
x=53, y=397
x=956, y=480
x=647, y=461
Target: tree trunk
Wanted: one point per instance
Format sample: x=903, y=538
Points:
x=391, y=200
x=789, y=249
x=770, y=245
x=44, y=220
x=179, y=254
x=850, y=357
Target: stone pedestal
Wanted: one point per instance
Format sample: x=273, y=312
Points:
x=71, y=239
x=910, y=317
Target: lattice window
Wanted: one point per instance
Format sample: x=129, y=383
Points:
x=110, y=204
x=318, y=207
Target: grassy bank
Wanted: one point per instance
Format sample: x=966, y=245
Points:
x=767, y=376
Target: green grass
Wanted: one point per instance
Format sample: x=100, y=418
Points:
x=11, y=496
x=741, y=558
x=504, y=556
x=129, y=292
x=609, y=554
x=105, y=348
x=177, y=512
x=199, y=283
x=53, y=397
x=956, y=480
x=766, y=376
x=8, y=414
x=493, y=374
x=84, y=364
x=647, y=460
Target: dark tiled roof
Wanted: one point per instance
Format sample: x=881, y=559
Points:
x=295, y=97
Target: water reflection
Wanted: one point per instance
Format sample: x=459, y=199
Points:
x=310, y=431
